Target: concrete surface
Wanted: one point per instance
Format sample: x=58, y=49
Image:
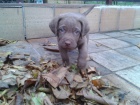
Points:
x=125, y=20
x=109, y=21
x=11, y=23
x=20, y=21
x=37, y=22
x=114, y=57
x=137, y=18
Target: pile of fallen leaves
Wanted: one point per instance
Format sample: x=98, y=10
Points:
x=4, y=42
x=25, y=82
x=47, y=83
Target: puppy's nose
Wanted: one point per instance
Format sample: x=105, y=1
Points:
x=67, y=42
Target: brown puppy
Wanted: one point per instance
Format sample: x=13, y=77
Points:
x=72, y=30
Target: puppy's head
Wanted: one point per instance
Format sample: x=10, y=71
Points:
x=69, y=29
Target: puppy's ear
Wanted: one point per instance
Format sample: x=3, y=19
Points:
x=84, y=27
x=54, y=25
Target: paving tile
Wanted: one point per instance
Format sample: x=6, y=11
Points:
x=132, y=75
x=131, y=39
x=38, y=46
x=137, y=35
x=115, y=34
x=97, y=36
x=133, y=52
x=113, y=60
x=133, y=93
x=102, y=70
x=131, y=32
x=20, y=47
x=44, y=40
x=137, y=30
x=96, y=47
x=113, y=43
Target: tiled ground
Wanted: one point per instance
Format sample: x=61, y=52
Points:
x=133, y=52
x=115, y=55
x=115, y=34
x=113, y=60
x=131, y=74
x=113, y=43
x=136, y=32
x=132, y=39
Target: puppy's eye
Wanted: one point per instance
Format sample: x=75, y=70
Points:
x=77, y=32
x=61, y=30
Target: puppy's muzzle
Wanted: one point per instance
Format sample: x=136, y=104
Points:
x=67, y=43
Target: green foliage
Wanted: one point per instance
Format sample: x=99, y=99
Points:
x=73, y=68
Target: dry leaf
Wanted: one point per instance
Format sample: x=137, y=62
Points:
x=102, y=100
x=92, y=70
x=35, y=73
x=51, y=49
x=19, y=99
x=98, y=44
x=52, y=79
x=70, y=76
x=60, y=93
x=49, y=65
x=47, y=101
x=43, y=89
x=21, y=62
x=64, y=82
x=21, y=79
x=73, y=84
x=78, y=78
x=3, y=42
x=96, y=82
x=96, y=90
x=20, y=68
x=138, y=45
x=4, y=92
x=33, y=67
x=61, y=73
x=11, y=93
x=17, y=57
x=29, y=82
x=10, y=79
x=51, y=44
x=16, y=72
x=5, y=54
x=82, y=85
x=79, y=93
x=12, y=102
x=3, y=85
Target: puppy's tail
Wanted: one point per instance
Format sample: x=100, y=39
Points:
x=88, y=11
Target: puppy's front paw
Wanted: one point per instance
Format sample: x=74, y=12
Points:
x=83, y=72
x=65, y=63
